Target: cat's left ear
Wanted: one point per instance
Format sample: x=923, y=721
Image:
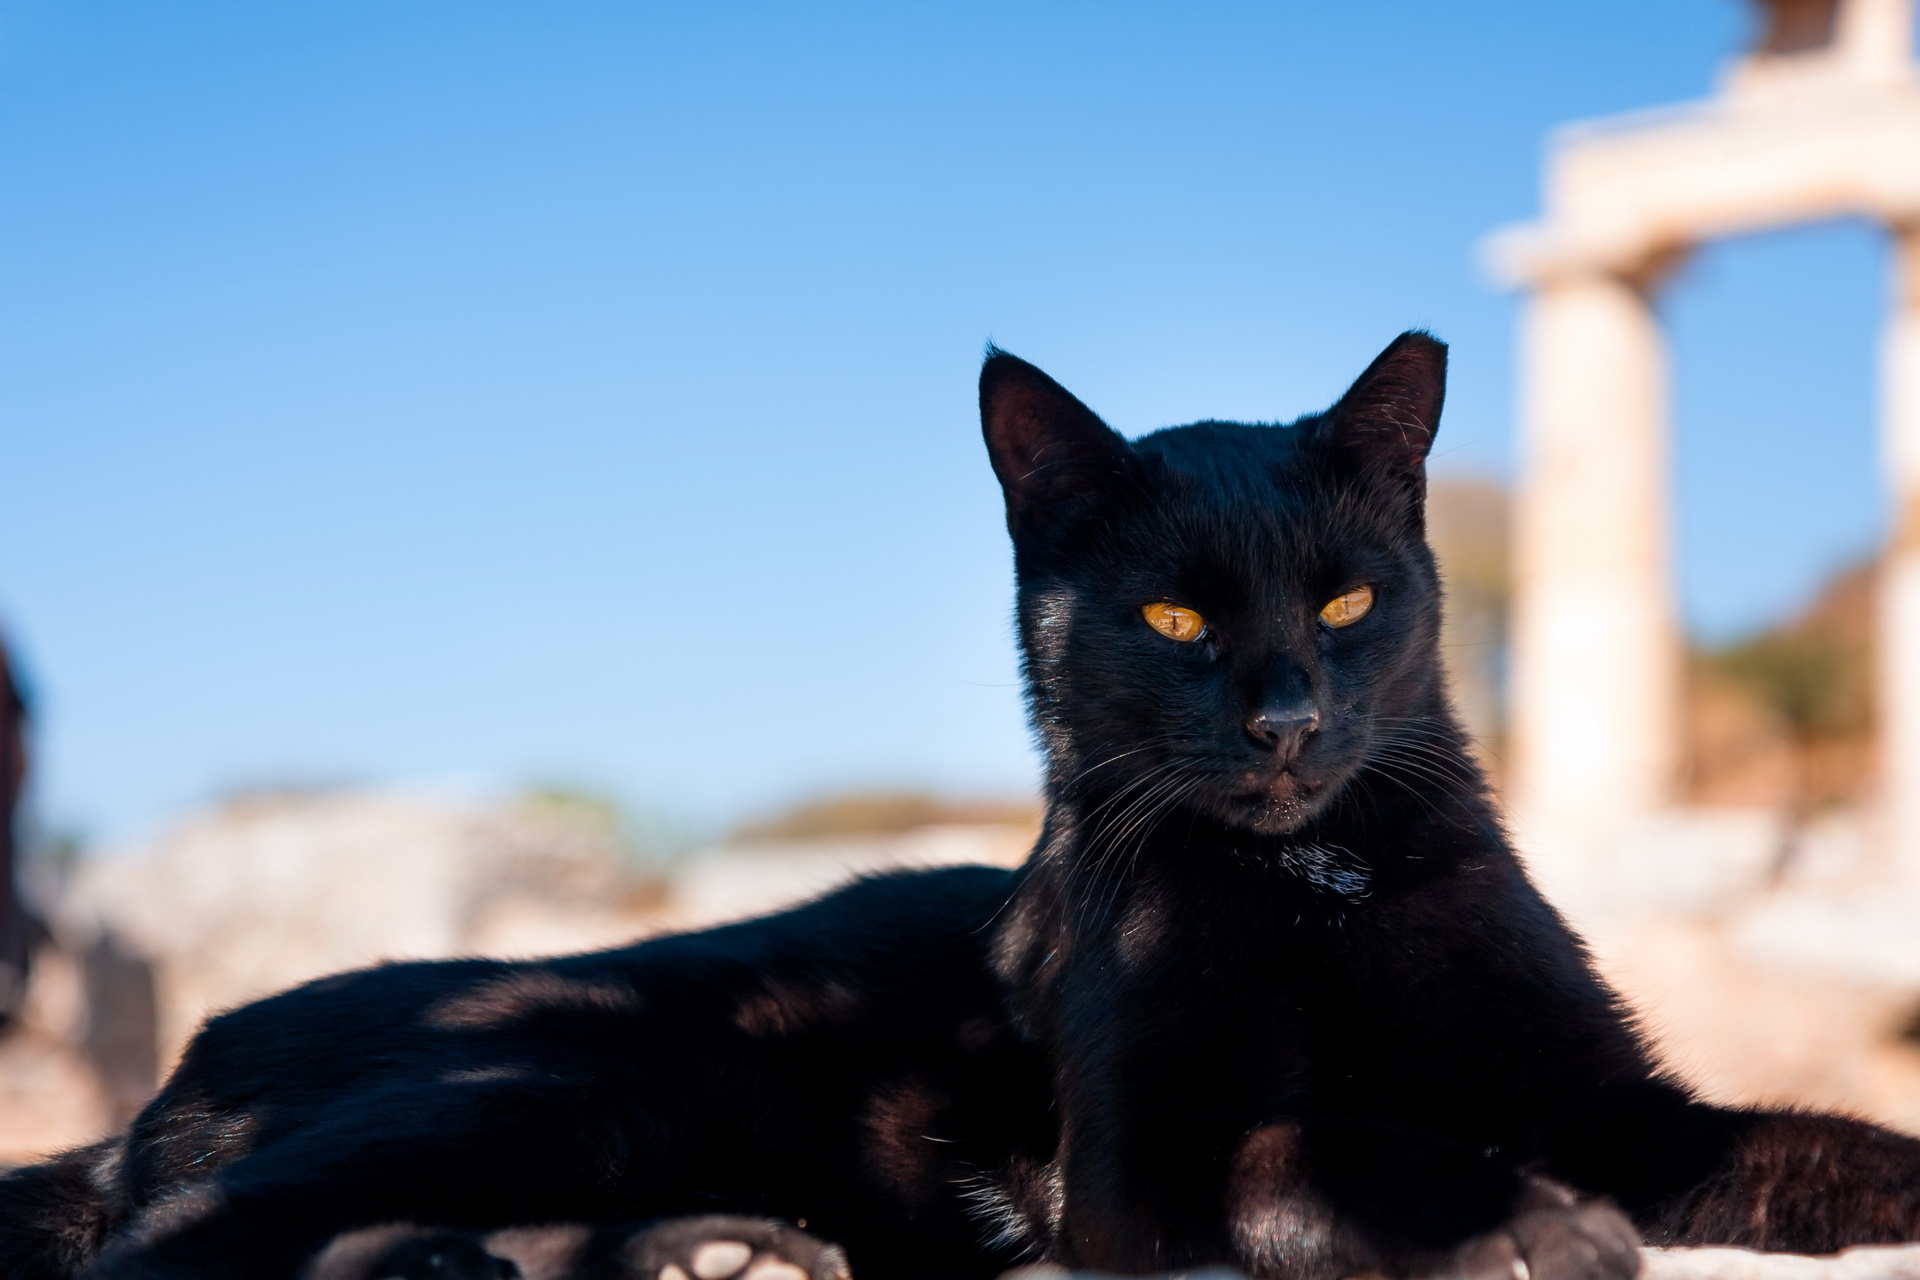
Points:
x=1385, y=422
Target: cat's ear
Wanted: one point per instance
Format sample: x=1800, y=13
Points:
x=1052, y=454
x=1386, y=420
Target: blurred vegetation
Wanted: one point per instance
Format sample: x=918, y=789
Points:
x=647, y=840
x=1812, y=671
x=1786, y=716
x=881, y=813
x=595, y=810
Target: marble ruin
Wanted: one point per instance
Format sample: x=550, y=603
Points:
x=1819, y=120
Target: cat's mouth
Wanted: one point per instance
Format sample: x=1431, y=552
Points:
x=1279, y=801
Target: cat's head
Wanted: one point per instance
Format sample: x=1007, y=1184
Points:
x=1232, y=619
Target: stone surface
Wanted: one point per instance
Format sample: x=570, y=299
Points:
x=1898, y=1262
x=1882, y=1262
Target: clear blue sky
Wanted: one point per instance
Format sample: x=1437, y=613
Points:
x=584, y=392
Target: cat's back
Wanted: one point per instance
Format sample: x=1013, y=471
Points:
x=875, y=970
x=886, y=935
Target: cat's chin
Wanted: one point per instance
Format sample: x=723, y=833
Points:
x=1279, y=806
x=1274, y=822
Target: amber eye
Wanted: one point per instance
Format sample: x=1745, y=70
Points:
x=1348, y=607
x=1173, y=622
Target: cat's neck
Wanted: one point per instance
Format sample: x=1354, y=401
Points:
x=1232, y=892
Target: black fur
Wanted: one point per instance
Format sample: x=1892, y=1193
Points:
x=1271, y=992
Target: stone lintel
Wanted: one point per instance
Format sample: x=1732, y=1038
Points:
x=1630, y=199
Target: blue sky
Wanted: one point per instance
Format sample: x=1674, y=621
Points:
x=534, y=392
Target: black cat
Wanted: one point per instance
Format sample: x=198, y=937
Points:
x=1272, y=992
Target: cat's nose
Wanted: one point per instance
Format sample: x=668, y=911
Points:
x=1283, y=728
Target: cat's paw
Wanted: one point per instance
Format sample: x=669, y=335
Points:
x=727, y=1247
x=1554, y=1237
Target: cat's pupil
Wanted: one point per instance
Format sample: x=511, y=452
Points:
x=1174, y=621
x=1348, y=607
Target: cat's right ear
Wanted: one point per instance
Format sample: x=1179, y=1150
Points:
x=1386, y=420
x=1052, y=454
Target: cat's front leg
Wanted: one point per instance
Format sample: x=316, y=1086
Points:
x=706, y=1247
x=1330, y=1199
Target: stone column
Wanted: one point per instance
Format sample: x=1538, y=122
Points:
x=1898, y=656
x=1596, y=661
